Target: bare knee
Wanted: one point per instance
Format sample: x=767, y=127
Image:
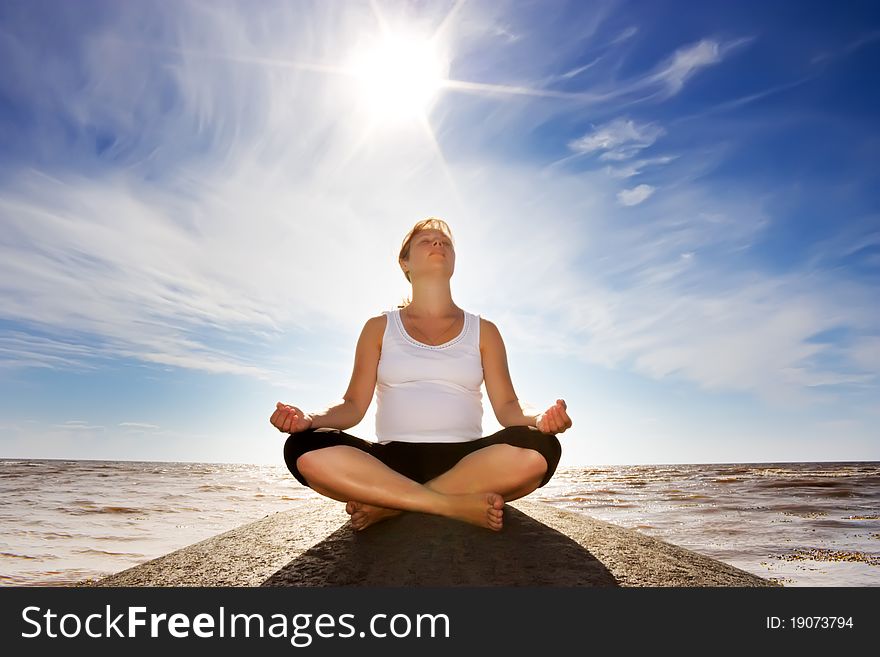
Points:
x=315, y=461
x=335, y=458
x=534, y=462
x=530, y=462
x=305, y=463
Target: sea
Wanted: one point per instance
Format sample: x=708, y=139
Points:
x=800, y=524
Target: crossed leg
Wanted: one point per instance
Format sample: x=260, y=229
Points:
x=474, y=490
x=513, y=472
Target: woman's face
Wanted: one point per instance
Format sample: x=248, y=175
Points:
x=429, y=249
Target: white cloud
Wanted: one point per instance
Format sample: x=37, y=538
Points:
x=138, y=425
x=628, y=33
x=636, y=167
x=19, y=349
x=505, y=32
x=669, y=77
x=849, y=48
x=857, y=241
x=618, y=139
x=580, y=69
x=635, y=195
x=686, y=62
x=77, y=426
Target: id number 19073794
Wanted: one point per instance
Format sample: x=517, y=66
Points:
x=809, y=623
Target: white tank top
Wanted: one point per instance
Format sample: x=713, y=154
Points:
x=426, y=393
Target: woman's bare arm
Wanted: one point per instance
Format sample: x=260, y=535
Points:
x=509, y=410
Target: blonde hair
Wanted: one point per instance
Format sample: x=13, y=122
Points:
x=425, y=224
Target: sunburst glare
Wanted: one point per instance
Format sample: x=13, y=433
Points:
x=399, y=75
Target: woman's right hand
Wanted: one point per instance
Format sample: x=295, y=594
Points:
x=290, y=419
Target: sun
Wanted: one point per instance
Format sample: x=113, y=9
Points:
x=399, y=75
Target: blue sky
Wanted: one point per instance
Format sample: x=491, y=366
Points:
x=669, y=209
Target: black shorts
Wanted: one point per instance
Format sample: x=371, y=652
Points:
x=422, y=462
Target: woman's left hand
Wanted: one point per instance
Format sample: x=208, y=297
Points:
x=555, y=419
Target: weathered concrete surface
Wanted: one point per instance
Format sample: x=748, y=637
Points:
x=540, y=545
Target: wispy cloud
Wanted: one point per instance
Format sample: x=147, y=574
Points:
x=102, y=260
x=634, y=196
x=856, y=243
x=580, y=69
x=685, y=63
x=619, y=139
x=635, y=168
x=20, y=349
x=78, y=426
x=505, y=32
x=851, y=47
x=689, y=60
x=626, y=34
x=138, y=425
x=667, y=78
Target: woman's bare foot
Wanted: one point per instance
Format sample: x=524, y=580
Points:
x=363, y=515
x=483, y=509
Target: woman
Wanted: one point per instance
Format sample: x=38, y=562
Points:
x=426, y=362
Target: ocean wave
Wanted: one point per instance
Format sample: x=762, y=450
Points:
x=133, y=555
x=802, y=483
x=95, y=509
x=12, y=555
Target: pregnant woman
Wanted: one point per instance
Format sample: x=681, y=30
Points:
x=426, y=361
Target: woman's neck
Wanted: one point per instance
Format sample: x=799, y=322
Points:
x=431, y=300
